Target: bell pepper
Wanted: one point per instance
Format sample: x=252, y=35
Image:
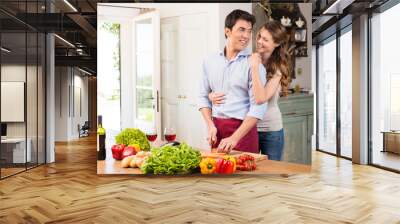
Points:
x=117, y=151
x=233, y=160
x=226, y=165
x=207, y=166
x=136, y=147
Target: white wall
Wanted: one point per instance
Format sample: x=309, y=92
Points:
x=67, y=81
x=304, y=63
x=61, y=103
x=224, y=10
x=33, y=126
x=17, y=73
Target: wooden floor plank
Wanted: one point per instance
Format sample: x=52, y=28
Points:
x=70, y=191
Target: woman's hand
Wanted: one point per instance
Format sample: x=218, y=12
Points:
x=255, y=60
x=216, y=98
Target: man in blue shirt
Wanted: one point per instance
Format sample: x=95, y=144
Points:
x=232, y=125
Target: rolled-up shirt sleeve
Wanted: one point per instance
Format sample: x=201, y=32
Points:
x=257, y=110
x=204, y=89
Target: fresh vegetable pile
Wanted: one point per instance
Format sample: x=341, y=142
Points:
x=131, y=136
x=121, y=151
x=181, y=159
x=135, y=160
x=246, y=162
x=225, y=165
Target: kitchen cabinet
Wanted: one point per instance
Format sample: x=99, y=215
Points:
x=297, y=118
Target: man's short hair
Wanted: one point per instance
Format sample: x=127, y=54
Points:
x=237, y=14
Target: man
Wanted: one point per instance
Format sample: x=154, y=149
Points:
x=232, y=125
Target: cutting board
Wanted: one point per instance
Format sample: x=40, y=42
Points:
x=234, y=153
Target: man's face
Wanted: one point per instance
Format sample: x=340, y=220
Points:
x=240, y=35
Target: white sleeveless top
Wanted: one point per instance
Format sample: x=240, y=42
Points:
x=272, y=120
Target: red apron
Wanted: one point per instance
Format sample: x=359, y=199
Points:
x=227, y=126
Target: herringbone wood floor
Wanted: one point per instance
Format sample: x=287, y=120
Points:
x=69, y=191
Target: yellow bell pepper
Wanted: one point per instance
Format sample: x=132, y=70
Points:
x=207, y=166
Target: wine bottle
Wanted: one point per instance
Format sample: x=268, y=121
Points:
x=101, y=139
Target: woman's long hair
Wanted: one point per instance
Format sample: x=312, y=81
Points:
x=280, y=57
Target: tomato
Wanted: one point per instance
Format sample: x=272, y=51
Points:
x=246, y=162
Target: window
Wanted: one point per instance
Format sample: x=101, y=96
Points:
x=385, y=88
x=346, y=93
x=22, y=66
x=109, y=78
x=327, y=96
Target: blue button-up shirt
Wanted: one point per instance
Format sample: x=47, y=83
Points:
x=233, y=78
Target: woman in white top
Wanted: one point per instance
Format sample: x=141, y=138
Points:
x=272, y=52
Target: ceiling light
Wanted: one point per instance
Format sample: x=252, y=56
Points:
x=337, y=7
x=5, y=50
x=70, y=5
x=64, y=40
x=84, y=71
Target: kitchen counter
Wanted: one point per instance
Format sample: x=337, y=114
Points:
x=111, y=166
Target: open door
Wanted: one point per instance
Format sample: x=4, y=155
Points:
x=146, y=71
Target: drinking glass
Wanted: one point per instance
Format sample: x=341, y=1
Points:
x=169, y=134
x=151, y=135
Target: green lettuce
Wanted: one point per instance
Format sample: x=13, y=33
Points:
x=131, y=136
x=181, y=159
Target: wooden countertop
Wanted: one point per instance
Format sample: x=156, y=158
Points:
x=111, y=166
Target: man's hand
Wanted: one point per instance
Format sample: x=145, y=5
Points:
x=212, y=135
x=227, y=144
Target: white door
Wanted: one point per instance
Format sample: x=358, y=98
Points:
x=193, y=49
x=184, y=46
x=146, y=70
x=169, y=74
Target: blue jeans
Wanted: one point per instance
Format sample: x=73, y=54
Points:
x=271, y=144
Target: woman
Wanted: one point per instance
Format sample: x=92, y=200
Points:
x=272, y=52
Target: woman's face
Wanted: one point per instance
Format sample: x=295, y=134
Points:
x=265, y=42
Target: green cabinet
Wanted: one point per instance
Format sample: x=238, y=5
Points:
x=297, y=118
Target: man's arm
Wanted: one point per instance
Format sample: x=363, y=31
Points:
x=212, y=130
x=205, y=106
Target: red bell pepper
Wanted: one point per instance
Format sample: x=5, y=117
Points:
x=226, y=165
x=117, y=151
